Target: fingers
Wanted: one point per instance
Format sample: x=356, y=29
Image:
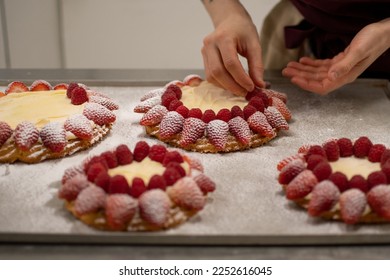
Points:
x=321, y=87
x=344, y=65
x=255, y=65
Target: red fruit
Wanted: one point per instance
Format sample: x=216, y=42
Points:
x=172, y=156
x=53, y=136
x=316, y=150
x=361, y=147
x=26, y=135
x=258, y=103
x=73, y=186
x=167, y=98
x=94, y=170
x=137, y=187
x=154, y=206
x=352, y=205
x=146, y=105
x=195, y=113
x=379, y=200
x=313, y=160
x=120, y=210
x=376, y=152
x=80, y=126
x=93, y=160
x=154, y=115
x=40, y=85
x=260, y=93
x=178, y=168
x=183, y=111
x=174, y=105
x=141, y=151
x=5, y=132
x=2, y=94
x=272, y=93
x=332, y=150
x=358, y=182
x=224, y=115
x=301, y=185
x=110, y=158
x=192, y=80
x=376, y=178
x=290, y=171
x=287, y=160
x=171, y=124
x=186, y=194
x=208, y=116
x=124, y=155
x=386, y=170
x=385, y=157
x=304, y=149
x=118, y=184
x=171, y=175
x=70, y=88
x=322, y=171
x=193, y=129
x=153, y=93
x=217, y=132
x=345, y=146
x=249, y=110
x=176, y=89
x=157, y=182
x=240, y=129
x=275, y=118
x=16, y=87
x=60, y=86
x=90, y=200
x=259, y=124
x=104, y=101
x=236, y=111
x=282, y=108
x=79, y=96
x=194, y=163
x=323, y=197
x=71, y=172
x=98, y=114
x=340, y=180
x=204, y=182
x=103, y=180
x=157, y=153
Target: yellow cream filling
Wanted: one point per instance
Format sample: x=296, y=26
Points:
x=38, y=107
x=351, y=166
x=208, y=96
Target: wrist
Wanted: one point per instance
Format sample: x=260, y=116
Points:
x=220, y=10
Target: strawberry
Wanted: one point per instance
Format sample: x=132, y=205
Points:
x=340, y=180
x=183, y=111
x=171, y=124
x=167, y=98
x=192, y=80
x=385, y=157
x=195, y=113
x=98, y=114
x=376, y=178
x=322, y=171
x=208, y=116
x=154, y=115
x=123, y=155
x=204, y=182
x=172, y=156
x=287, y=160
x=175, y=89
x=352, y=205
x=217, y=132
x=194, y=163
x=332, y=150
x=174, y=105
x=141, y=151
x=120, y=210
x=315, y=150
x=171, y=175
x=313, y=160
x=89, y=200
x=358, y=182
x=258, y=103
x=16, y=86
x=153, y=93
x=118, y=184
x=80, y=126
x=248, y=111
x=2, y=94
x=78, y=96
x=106, y=102
x=72, y=187
x=282, y=108
x=186, y=194
x=275, y=118
x=178, y=168
x=323, y=197
x=178, y=83
x=290, y=171
x=304, y=149
x=301, y=185
x=110, y=158
x=272, y=93
x=103, y=180
x=154, y=206
x=146, y=105
x=40, y=85
x=137, y=187
x=94, y=170
x=259, y=124
x=345, y=146
x=376, y=152
x=240, y=129
x=236, y=111
x=157, y=182
x=224, y=115
x=193, y=129
x=70, y=88
x=361, y=147
x=379, y=200
x=53, y=136
x=5, y=132
x=60, y=86
x=157, y=153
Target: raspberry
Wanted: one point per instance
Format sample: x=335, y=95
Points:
x=313, y=160
x=361, y=147
x=224, y=115
x=154, y=206
x=183, y=110
x=157, y=153
x=70, y=88
x=94, y=170
x=386, y=170
x=110, y=158
x=249, y=110
x=118, y=184
x=323, y=197
x=187, y=194
x=78, y=96
x=352, y=205
x=120, y=210
x=195, y=113
x=172, y=156
x=240, y=129
x=376, y=178
x=290, y=171
x=258, y=103
x=94, y=160
x=345, y=146
x=90, y=200
x=385, y=157
x=5, y=132
x=137, y=187
x=103, y=180
x=73, y=186
x=154, y=115
x=379, y=200
x=208, y=116
x=358, y=182
x=167, y=98
x=316, y=150
x=174, y=88
x=258, y=92
x=157, y=182
x=287, y=160
x=217, y=132
x=141, y=151
x=124, y=155
x=322, y=171
x=332, y=151
x=340, y=180
x=193, y=129
x=301, y=185
x=171, y=175
x=236, y=111
x=204, y=183
x=174, y=105
x=178, y=168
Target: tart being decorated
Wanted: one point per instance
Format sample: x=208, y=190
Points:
x=149, y=188
x=44, y=122
x=341, y=180
x=198, y=116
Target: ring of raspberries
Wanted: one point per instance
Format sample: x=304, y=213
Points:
x=230, y=129
x=112, y=203
x=28, y=144
x=308, y=180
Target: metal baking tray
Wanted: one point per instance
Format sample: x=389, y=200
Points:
x=248, y=206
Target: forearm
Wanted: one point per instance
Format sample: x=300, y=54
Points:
x=220, y=9
x=384, y=25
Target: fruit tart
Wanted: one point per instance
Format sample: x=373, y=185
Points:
x=44, y=122
x=146, y=189
x=198, y=116
x=340, y=179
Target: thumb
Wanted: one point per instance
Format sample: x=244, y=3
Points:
x=345, y=62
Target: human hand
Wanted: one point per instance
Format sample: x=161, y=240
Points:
x=322, y=76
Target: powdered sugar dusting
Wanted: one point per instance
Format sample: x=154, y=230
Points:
x=154, y=206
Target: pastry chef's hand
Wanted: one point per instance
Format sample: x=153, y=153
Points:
x=234, y=34
x=322, y=76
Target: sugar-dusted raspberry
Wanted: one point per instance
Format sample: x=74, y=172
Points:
x=316, y=150
x=94, y=160
x=361, y=147
x=78, y=96
x=282, y=108
x=340, y=180
x=25, y=135
x=358, y=182
x=376, y=178
x=275, y=118
x=385, y=157
x=171, y=124
x=80, y=126
x=345, y=146
x=183, y=110
x=178, y=168
x=174, y=105
x=323, y=197
x=70, y=88
x=259, y=124
x=110, y=158
x=301, y=185
x=290, y=171
x=157, y=182
x=208, y=116
x=195, y=113
x=120, y=210
x=94, y=170
x=260, y=93
x=72, y=187
x=240, y=129
x=258, y=103
x=172, y=156
x=204, y=182
x=193, y=129
x=224, y=115
x=72, y=171
x=237, y=112
x=123, y=155
x=90, y=200
x=40, y=85
x=167, y=98
x=138, y=187
x=287, y=160
x=171, y=175
x=249, y=110
x=379, y=200
x=141, y=151
x=332, y=150
x=154, y=206
x=157, y=153
x=217, y=132
x=147, y=104
x=187, y=194
x=103, y=180
x=313, y=160
x=5, y=132
x=322, y=171
x=352, y=205
x=176, y=89
x=386, y=170
x=53, y=136
x=118, y=184
x=98, y=114
x=154, y=115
